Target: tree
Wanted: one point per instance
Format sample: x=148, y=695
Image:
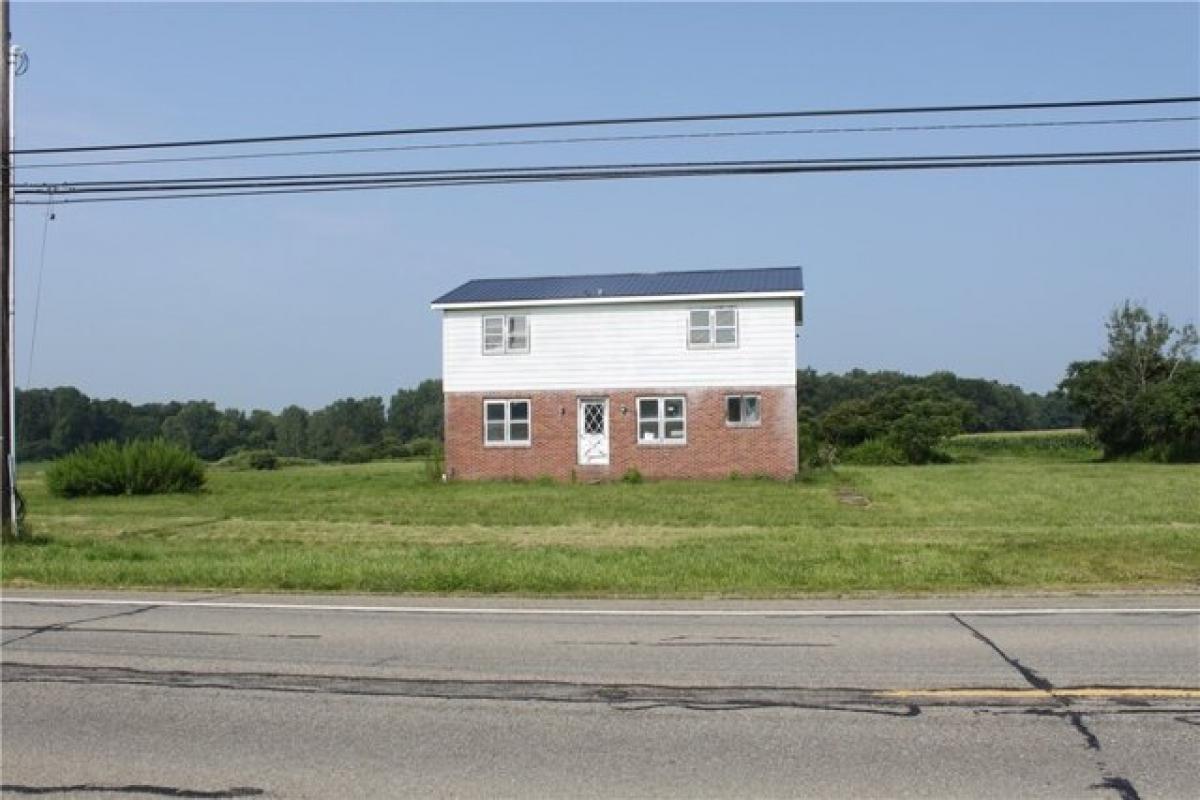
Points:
x=911, y=419
x=1142, y=395
x=416, y=413
x=196, y=426
x=344, y=426
x=291, y=432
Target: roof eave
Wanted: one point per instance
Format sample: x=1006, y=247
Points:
x=656, y=298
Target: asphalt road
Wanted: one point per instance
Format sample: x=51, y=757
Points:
x=226, y=697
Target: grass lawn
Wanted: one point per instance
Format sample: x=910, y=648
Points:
x=998, y=523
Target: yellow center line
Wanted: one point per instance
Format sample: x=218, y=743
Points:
x=1097, y=692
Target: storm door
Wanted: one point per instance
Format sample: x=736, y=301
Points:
x=593, y=431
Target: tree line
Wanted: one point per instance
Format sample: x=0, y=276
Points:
x=988, y=405
x=54, y=422
x=1141, y=399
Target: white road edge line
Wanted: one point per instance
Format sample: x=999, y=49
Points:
x=598, y=612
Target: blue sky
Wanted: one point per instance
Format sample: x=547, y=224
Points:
x=261, y=302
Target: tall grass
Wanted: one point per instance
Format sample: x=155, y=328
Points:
x=995, y=524
x=138, y=467
x=1069, y=444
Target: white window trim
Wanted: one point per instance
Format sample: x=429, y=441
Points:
x=504, y=348
x=712, y=343
x=743, y=424
x=507, y=403
x=662, y=440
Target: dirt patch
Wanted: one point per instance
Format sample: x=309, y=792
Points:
x=849, y=497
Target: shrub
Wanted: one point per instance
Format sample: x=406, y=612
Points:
x=137, y=467
x=435, y=464
x=874, y=452
x=358, y=454
x=262, y=459
x=917, y=434
x=914, y=420
x=632, y=475
x=423, y=446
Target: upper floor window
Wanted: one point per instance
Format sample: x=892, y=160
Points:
x=505, y=333
x=713, y=327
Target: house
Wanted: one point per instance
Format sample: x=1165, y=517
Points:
x=675, y=374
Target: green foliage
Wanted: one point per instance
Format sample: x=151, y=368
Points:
x=923, y=426
x=139, y=467
x=262, y=459
x=291, y=432
x=1142, y=398
x=54, y=422
x=417, y=413
x=632, y=475
x=882, y=452
x=904, y=424
x=994, y=525
x=993, y=406
x=434, y=465
x=1070, y=444
x=423, y=446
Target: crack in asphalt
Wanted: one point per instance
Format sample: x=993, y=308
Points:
x=1031, y=677
x=132, y=788
x=159, y=632
x=624, y=697
x=667, y=643
x=1122, y=786
x=62, y=626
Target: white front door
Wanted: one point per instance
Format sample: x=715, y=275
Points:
x=593, y=431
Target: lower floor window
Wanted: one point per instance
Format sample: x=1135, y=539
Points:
x=742, y=409
x=662, y=420
x=506, y=421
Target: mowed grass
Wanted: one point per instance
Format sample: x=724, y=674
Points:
x=996, y=524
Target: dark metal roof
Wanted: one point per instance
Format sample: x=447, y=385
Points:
x=631, y=284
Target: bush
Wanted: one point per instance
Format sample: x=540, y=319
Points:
x=435, y=464
x=913, y=419
x=358, y=454
x=882, y=452
x=262, y=459
x=137, y=467
x=423, y=447
x=632, y=475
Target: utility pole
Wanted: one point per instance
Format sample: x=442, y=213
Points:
x=8, y=461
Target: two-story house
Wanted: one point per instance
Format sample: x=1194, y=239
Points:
x=676, y=374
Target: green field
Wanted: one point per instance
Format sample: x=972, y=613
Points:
x=1007, y=520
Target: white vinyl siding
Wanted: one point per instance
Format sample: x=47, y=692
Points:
x=622, y=345
x=506, y=423
x=662, y=420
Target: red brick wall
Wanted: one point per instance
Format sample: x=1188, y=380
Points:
x=713, y=449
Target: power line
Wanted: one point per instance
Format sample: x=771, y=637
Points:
x=161, y=184
x=629, y=138
x=502, y=179
x=612, y=121
x=37, y=302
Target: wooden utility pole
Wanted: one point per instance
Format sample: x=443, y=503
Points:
x=8, y=461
